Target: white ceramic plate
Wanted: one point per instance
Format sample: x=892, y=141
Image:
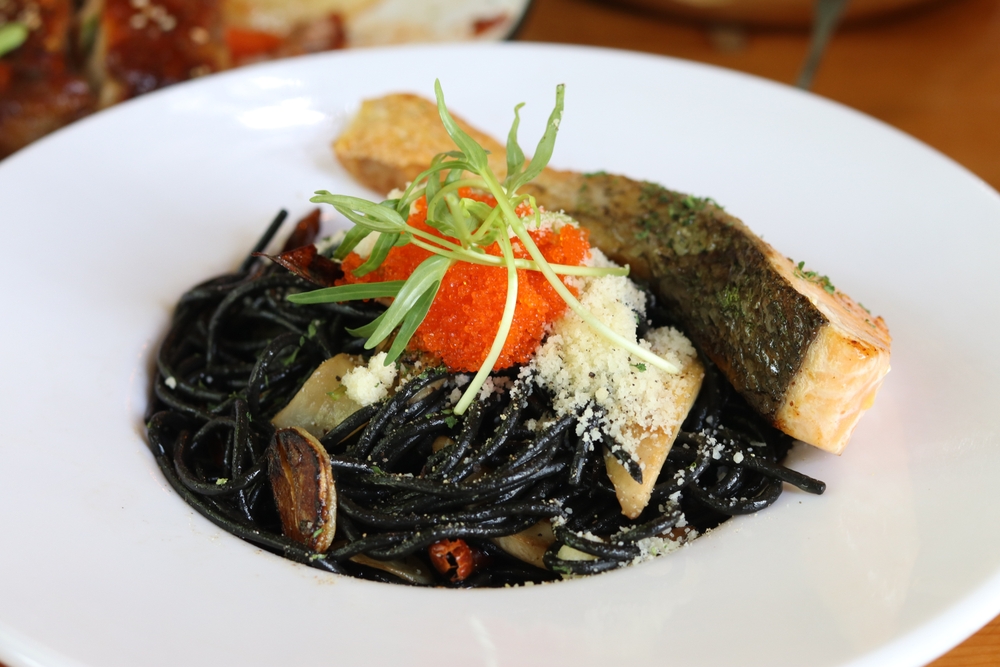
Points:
x=106, y=223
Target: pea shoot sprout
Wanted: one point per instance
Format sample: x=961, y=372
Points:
x=468, y=228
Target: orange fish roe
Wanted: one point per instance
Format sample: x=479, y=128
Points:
x=463, y=320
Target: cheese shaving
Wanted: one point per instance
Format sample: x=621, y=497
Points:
x=584, y=371
x=369, y=384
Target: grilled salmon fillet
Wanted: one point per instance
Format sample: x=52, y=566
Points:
x=802, y=353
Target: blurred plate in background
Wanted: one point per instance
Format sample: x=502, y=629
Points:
x=78, y=58
x=777, y=13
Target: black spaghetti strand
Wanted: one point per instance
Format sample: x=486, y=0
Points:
x=265, y=239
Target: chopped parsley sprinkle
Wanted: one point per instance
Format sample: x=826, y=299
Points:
x=813, y=277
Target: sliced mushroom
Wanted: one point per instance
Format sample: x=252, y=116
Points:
x=440, y=443
x=529, y=545
x=409, y=569
x=319, y=405
x=654, y=445
x=302, y=483
x=569, y=553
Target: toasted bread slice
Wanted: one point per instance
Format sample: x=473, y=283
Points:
x=394, y=138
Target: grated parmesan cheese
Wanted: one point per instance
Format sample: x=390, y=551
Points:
x=550, y=220
x=365, y=246
x=581, y=368
x=368, y=384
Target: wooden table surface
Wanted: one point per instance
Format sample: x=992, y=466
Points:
x=933, y=72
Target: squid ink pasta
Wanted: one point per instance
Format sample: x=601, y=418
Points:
x=403, y=489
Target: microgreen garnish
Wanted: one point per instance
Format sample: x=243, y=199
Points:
x=12, y=35
x=469, y=227
x=814, y=277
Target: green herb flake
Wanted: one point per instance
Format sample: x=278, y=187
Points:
x=813, y=277
x=729, y=298
x=641, y=367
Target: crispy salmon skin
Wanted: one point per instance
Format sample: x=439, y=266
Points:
x=803, y=354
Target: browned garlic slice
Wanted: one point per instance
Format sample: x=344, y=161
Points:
x=529, y=545
x=410, y=569
x=322, y=402
x=303, y=487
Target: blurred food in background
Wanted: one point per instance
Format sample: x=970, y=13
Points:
x=41, y=87
x=63, y=59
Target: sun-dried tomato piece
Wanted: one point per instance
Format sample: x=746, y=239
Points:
x=307, y=263
x=305, y=232
x=455, y=558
